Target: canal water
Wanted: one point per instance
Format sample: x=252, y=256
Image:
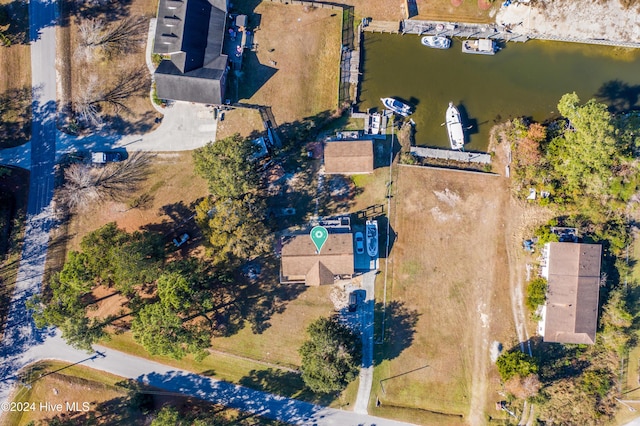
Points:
x=522, y=79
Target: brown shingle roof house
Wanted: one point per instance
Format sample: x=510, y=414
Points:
x=301, y=264
x=573, y=274
x=348, y=157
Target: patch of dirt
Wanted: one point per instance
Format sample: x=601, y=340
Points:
x=173, y=189
x=584, y=20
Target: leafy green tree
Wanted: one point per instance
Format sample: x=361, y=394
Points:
x=515, y=363
x=588, y=152
x=234, y=228
x=109, y=256
x=331, y=357
x=616, y=322
x=121, y=259
x=169, y=416
x=536, y=293
x=162, y=332
x=226, y=165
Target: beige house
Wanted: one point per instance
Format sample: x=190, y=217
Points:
x=348, y=157
x=570, y=314
x=300, y=263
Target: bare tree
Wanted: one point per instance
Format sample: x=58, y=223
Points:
x=118, y=37
x=91, y=103
x=87, y=105
x=129, y=83
x=86, y=185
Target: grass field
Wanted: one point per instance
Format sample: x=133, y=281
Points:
x=437, y=371
x=83, y=74
x=173, y=188
x=15, y=80
x=444, y=10
x=14, y=192
x=296, y=67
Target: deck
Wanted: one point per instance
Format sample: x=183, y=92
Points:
x=446, y=154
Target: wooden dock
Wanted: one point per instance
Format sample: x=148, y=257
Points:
x=384, y=120
x=446, y=154
x=374, y=26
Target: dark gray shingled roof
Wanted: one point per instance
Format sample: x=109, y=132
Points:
x=192, y=33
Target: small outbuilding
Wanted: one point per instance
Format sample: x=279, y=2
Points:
x=348, y=157
x=301, y=263
x=570, y=314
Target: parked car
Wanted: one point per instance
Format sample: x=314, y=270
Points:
x=105, y=157
x=180, y=241
x=353, y=301
x=359, y=243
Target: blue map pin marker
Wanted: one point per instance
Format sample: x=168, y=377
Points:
x=319, y=235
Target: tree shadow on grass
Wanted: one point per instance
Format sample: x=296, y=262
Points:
x=400, y=328
x=258, y=301
x=15, y=110
x=14, y=19
x=284, y=383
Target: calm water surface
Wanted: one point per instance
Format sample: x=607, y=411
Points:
x=523, y=79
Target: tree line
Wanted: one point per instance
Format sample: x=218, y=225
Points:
x=586, y=162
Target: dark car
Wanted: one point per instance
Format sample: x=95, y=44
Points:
x=353, y=301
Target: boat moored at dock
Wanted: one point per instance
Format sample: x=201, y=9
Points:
x=482, y=46
x=396, y=106
x=454, y=127
x=372, y=237
x=436, y=42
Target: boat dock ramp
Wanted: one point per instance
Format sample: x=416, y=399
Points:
x=446, y=154
x=469, y=30
x=368, y=121
x=451, y=29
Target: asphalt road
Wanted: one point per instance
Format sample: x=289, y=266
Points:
x=188, y=383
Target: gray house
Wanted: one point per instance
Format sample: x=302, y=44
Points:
x=191, y=33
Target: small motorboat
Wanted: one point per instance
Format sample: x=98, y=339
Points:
x=372, y=237
x=483, y=46
x=376, y=121
x=436, y=42
x=396, y=106
x=454, y=127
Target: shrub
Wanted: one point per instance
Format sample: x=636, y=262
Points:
x=514, y=363
x=536, y=291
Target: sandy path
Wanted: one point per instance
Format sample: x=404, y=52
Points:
x=582, y=20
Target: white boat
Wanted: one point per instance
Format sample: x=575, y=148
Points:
x=454, y=127
x=437, y=42
x=396, y=106
x=372, y=238
x=376, y=120
x=483, y=46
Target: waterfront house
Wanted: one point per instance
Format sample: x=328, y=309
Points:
x=570, y=314
x=301, y=263
x=189, y=36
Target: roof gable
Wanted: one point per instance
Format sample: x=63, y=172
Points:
x=299, y=258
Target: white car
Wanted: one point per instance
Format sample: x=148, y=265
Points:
x=359, y=243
